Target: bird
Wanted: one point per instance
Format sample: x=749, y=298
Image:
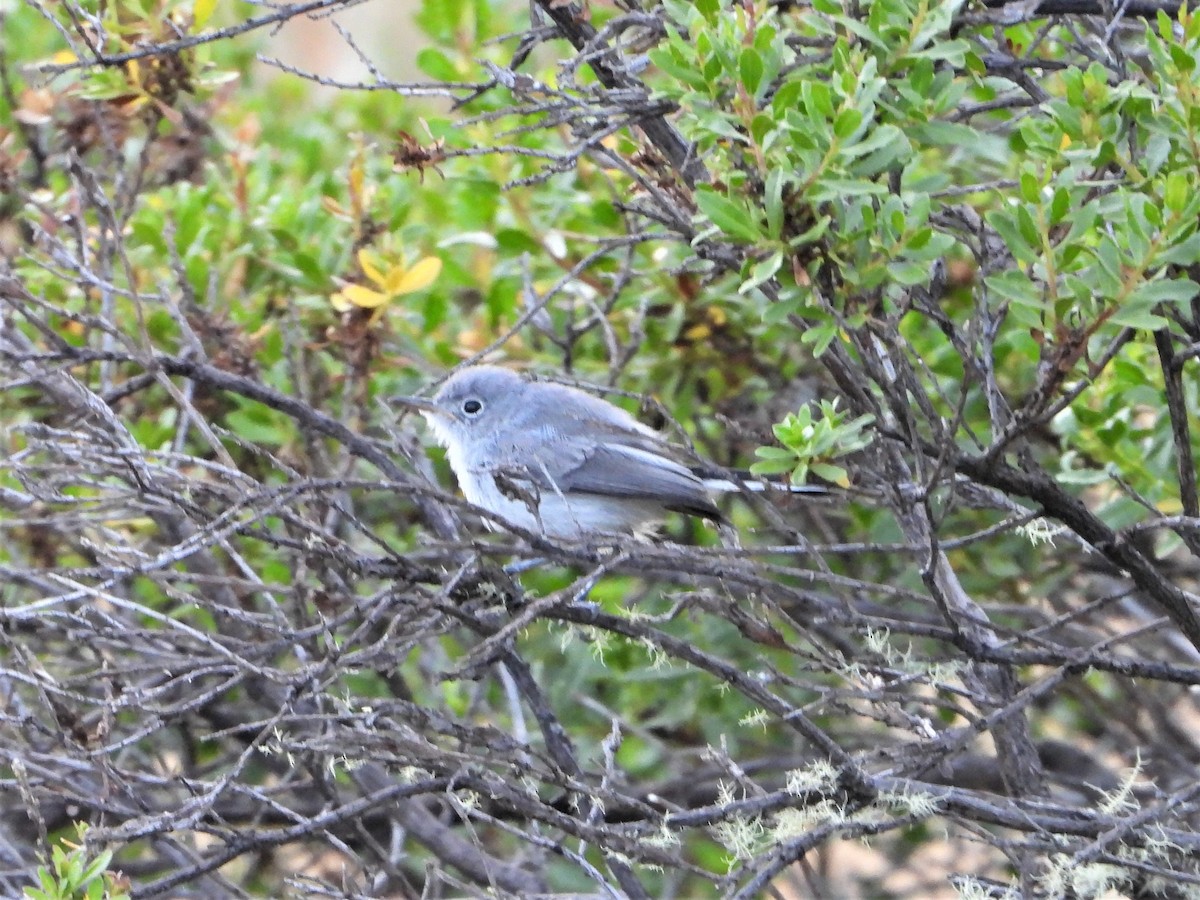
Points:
x=556, y=460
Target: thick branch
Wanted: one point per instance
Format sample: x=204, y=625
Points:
x=575, y=27
x=1058, y=504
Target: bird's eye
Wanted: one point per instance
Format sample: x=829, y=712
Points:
x=472, y=406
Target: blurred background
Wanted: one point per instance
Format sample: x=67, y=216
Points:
x=383, y=31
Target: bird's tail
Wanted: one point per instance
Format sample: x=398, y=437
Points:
x=731, y=480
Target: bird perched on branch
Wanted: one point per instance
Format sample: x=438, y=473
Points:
x=556, y=460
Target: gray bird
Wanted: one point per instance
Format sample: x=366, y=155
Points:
x=556, y=460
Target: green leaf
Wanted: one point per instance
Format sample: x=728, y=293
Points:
x=812, y=234
x=257, y=424
x=817, y=100
x=778, y=312
x=750, y=68
x=1028, y=227
x=820, y=337
x=681, y=70
x=773, y=202
x=1176, y=192
x=1184, y=253
x=1031, y=188
x=98, y=865
x=1015, y=287
x=1165, y=290
x=833, y=189
x=830, y=472
x=847, y=123
x=762, y=271
x=1181, y=58
x=436, y=64
x=1138, y=316
x=1006, y=226
x=1060, y=205
x=1108, y=255
x=734, y=220
x=772, y=467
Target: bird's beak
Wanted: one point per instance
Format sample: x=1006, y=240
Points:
x=417, y=403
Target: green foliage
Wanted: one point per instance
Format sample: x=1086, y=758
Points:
x=811, y=443
x=339, y=251
x=76, y=874
x=813, y=140
x=823, y=144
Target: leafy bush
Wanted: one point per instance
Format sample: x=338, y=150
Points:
x=944, y=258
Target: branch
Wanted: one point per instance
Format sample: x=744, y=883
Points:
x=574, y=26
x=1058, y=504
x=168, y=48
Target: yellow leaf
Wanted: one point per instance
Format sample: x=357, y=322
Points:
x=395, y=278
x=420, y=276
x=363, y=296
x=1169, y=507
x=370, y=269
x=202, y=11
x=130, y=107
x=62, y=57
x=357, y=175
x=339, y=302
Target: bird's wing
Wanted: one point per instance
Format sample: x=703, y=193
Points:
x=595, y=448
x=613, y=469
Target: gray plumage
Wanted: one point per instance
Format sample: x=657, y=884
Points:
x=555, y=459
